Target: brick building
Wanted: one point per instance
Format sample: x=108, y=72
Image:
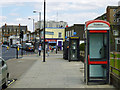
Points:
x=112, y=15
x=12, y=30
x=78, y=28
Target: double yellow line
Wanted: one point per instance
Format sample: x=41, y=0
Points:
x=11, y=82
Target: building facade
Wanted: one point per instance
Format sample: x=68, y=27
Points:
x=54, y=36
x=112, y=15
x=78, y=28
x=9, y=32
x=0, y=35
x=50, y=24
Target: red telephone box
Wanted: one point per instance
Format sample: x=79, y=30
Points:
x=97, y=51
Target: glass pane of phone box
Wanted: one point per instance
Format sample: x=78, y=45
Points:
x=97, y=52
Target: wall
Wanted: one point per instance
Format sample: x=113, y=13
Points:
x=78, y=28
x=55, y=31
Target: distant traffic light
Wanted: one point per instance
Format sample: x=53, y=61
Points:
x=21, y=34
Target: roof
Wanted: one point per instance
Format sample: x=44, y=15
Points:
x=113, y=7
x=92, y=21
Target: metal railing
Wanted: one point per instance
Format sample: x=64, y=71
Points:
x=116, y=75
x=114, y=64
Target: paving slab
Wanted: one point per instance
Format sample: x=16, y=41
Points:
x=54, y=73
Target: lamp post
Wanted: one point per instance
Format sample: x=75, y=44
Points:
x=33, y=22
x=44, y=29
x=39, y=22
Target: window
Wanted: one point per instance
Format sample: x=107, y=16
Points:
x=70, y=34
x=114, y=10
x=118, y=19
x=49, y=33
x=59, y=34
x=118, y=41
x=115, y=33
x=83, y=35
x=114, y=15
x=66, y=33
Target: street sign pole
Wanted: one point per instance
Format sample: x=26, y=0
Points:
x=44, y=33
x=16, y=52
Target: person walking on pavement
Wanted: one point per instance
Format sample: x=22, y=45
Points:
x=40, y=48
x=48, y=50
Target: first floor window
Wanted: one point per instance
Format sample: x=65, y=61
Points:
x=59, y=34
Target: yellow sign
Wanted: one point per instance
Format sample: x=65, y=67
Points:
x=7, y=47
x=74, y=37
x=18, y=48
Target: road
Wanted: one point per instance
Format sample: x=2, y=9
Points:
x=11, y=53
x=18, y=67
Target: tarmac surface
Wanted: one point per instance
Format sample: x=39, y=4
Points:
x=54, y=73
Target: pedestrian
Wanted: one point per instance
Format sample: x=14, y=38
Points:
x=56, y=49
x=40, y=48
x=48, y=51
x=52, y=49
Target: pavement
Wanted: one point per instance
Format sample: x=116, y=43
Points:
x=54, y=73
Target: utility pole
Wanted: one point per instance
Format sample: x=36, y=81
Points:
x=39, y=25
x=44, y=32
x=21, y=39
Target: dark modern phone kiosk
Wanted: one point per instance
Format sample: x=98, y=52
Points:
x=65, y=49
x=73, y=51
x=97, y=52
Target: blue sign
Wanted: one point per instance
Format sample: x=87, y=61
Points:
x=65, y=37
x=74, y=33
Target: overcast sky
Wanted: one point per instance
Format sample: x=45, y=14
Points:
x=70, y=11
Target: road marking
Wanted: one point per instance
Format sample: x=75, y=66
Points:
x=11, y=82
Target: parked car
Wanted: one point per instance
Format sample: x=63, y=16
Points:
x=4, y=45
x=29, y=48
x=4, y=74
x=14, y=46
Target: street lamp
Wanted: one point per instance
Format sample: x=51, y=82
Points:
x=33, y=22
x=38, y=21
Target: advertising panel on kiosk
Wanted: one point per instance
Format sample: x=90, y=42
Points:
x=96, y=52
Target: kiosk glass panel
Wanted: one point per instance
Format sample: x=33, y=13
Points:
x=97, y=52
x=98, y=46
x=73, y=50
x=74, y=44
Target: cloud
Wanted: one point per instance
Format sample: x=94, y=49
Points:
x=77, y=18
x=25, y=21
x=71, y=11
x=14, y=14
x=3, y=18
